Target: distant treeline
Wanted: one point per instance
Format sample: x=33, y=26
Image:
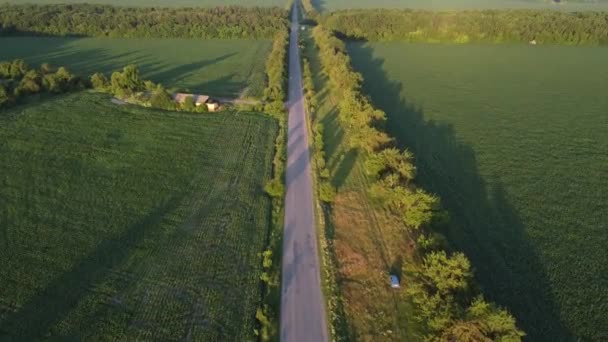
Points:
x=496, y=26
x=440, y=284
x=141, y=22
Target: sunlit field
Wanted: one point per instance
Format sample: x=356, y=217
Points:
x=131, y=223
x=514, y=139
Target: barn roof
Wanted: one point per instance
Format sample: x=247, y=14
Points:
x=198, y=99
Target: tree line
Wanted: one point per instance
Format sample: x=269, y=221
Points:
x=310, y=10
x=495, y=26
x=441, y=284
x=129, y=86
x=275, y=93
x=141, y=22
x=18, y=80
x=326, y=191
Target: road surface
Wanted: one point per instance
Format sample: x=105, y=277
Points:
x=302, y=303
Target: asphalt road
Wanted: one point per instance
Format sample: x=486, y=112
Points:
x=302, y=303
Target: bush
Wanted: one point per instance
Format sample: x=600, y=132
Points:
x=31, y=83
x=202, y=109
x=275, y=188
x=188, y=105
x=99, y=81
x=437, y=286
x=5, y=70
x=5, y=98
x=327, y=192
x=46, y=68
x=149, y=85
x=267, y=329
x=127, y=82
x=162, y=99
x=61, y=81
x=431, y=242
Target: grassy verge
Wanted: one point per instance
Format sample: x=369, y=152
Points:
x=358, y=241
x=268, y=315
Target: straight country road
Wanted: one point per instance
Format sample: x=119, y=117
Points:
x=302, y=303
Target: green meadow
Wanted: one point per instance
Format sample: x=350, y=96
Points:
x=216, y=67
x=131, y=223
x=514, y=139
x=580, y=5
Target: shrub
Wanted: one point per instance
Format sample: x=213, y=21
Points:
x=5, y=98
x=202, y=109
x=18, y=68
x=46, y=68
x=5, y=70
x=99, y=81
x=126, y=82
x=265, y=324
x=327, y=192
x=31, y=83
x=275, y=188
x=188, y=105
x=162, y=99
x=149, y=85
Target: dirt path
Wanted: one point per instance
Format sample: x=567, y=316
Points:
x=302, y=305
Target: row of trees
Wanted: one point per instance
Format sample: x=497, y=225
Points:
x=128, y=85
x=275, y=92
x=440, y=285
x=141, y=22
x=327, y=191
x=496, y=26
x=18, y=80
x=310, y=10
x=274, y=98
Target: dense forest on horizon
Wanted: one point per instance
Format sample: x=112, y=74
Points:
x=494, y=26
x=448, y=5
x=140, y=22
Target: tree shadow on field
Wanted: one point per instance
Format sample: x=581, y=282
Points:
x=37, y=317
x=65, y=51
x=223, y=86
x=483, y=223
x=176, y=73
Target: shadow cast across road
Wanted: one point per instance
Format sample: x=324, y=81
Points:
x=483, y=223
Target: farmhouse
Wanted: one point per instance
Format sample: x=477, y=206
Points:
x=199, y=100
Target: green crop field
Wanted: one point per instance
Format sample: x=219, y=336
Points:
x=214, y=67
x=580, y=5
x=514, y=139
x=163, y=3
x=123, y=223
